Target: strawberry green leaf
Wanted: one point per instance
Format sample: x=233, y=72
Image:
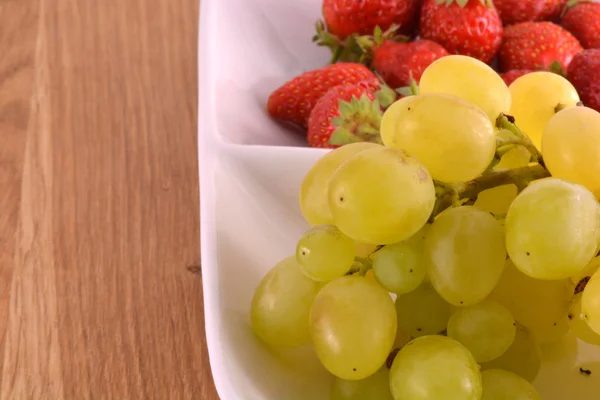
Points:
x=337, y=121
x=557, y=69
x=385, y=96
x=413, y=85
x=359, y=121
x=378, y=35
x=342, y=136
x=405, y=91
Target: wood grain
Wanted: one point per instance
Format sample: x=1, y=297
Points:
x=99, y=212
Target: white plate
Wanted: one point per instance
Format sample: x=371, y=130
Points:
x=250, y=172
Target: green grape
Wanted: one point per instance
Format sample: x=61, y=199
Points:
x=314, y=203
x=535, y=97
x=533, y=302
x=570, y=147
x=541, y=211
x=324, y=253
x=422, y=311
x=469, y=79
x=496, y=200
x=381, y=196
x=517, y=157
x=402, y=337
x=435, y=367
x=465, y=255
x=353, y=327
x=550, y=332
x=418, y=239
x=588, y=271
x=578, y=325
x=454, y=139
x=364, y=250
x=590, y=302
x=389, y=121
x=281, y=305
x=487, y=329
x=523, y=357
x=399, y=267
x=375, y=387
x=504, y=385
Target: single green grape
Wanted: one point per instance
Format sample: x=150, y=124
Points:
x=324, y=253
x=435, y=367
x=422, y=311
x=517, y=157
x=364, y=250
x=314, y=203
x=588, y=271
x=523, y=357
x=402, y=337
x=353, y=327
x=389, y=121
x=535, y=98
x=469, y=79
x=540, y=211
x=487, y=329
x=551, y=332
x=381, y=196
x=504, y=385
x=453, y=138
x=537, y=304
x=497, y=200
x=578, y=325
x=281, y=305
x=375, y=387
x=570, y=147
x=465, y=255
x=400, y=267
x=590, y=302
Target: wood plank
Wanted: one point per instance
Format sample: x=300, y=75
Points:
x=101, y=303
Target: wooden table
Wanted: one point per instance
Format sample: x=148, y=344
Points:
x=99, y=196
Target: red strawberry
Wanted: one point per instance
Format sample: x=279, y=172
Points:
x=536, y=45
x=346, y=114
x=584, y=74
x=469, y=27
x=511, y=76
x=344, y=17
x=515, y=11
x=583, y=21
x=396, y=62
x=294, y=100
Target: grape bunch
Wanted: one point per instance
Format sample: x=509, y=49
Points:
x=480, y=215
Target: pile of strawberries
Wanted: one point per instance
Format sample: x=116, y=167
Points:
x=380, y=49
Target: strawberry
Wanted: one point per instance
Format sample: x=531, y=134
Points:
x=294, y=100
x=584, y=74
x=512, y=75
x=536, y=45
x=396, y=62
x=468, y=27
x=583, y=21
x=515, y=11
x=345, y=114
x=344, y=17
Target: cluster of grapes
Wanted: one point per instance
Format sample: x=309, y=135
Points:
x=486, y=239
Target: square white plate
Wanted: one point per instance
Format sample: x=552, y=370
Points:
x=250, y=172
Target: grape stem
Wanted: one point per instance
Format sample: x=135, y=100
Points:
x=459, y=193
x=360, y=266
x=507, y=122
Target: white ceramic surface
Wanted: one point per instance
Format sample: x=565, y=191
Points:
x=250, y=172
